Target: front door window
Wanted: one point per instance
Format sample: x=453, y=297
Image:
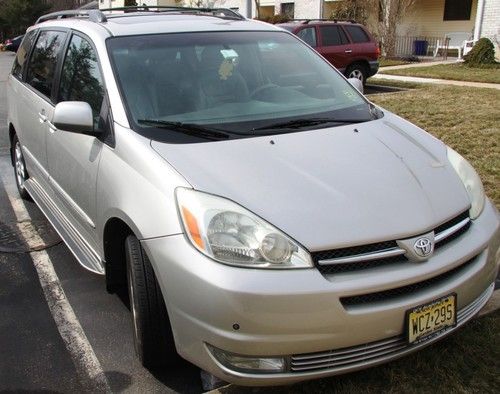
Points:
x=81, y=78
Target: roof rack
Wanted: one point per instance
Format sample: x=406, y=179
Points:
x=98, y=16
x=306, y=21
x=93, y=15
x=166, y=8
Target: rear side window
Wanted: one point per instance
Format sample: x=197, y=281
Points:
x=22, y=54
x=333, y=35
x=43, y=61
x=357, y=34
x=308, y=35
x=81, y=78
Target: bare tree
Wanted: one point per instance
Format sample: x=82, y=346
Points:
x=257, y=8
x=192, y=3
x=391, y=12
x=358, y=10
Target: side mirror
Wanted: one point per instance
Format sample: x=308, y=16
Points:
x=357, y=84
x=74, y=116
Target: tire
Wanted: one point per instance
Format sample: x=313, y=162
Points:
x=357, y=70
x=153, y=339
x=20, y=171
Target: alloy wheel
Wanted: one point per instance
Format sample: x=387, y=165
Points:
x=358, y=74
x=19, y=166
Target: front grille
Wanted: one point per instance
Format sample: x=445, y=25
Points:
x=354, y=250
x=361, y=265
x=362, y=257
x=453, y=236
x=452, y=222
x=401, y=291
x=370, y=353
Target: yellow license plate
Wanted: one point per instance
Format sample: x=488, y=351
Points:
x=425, y=321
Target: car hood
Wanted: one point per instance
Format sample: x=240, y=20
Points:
x=333, y=187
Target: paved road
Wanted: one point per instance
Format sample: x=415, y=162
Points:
x=33, y=354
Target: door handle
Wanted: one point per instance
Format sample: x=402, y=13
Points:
x=348, y=51
x=42, y=117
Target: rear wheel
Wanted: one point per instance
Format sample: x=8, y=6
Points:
x=153, y=338
x=357, y=71
x=20, y=171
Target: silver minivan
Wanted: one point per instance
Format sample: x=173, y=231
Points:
x=271, y=224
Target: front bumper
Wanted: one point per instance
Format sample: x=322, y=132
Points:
x=299, y=312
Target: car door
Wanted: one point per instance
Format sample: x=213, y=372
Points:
x=35, y=100
x=73, y=158
x=335, y=46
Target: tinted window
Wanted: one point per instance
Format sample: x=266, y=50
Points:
x=457, y=10
x=42, y=65
x=22, y=54
x=308, y=35
x=333, y=35
x=357, y=34
x=232, y=81
x=81, y=78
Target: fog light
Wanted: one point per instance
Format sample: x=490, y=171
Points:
x=248, y=364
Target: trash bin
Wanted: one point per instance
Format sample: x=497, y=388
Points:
x=420, y=47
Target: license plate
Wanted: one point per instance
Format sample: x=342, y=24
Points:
x=427, y=320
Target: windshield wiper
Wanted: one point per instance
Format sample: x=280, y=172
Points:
x=187, y=128
x=298, y=123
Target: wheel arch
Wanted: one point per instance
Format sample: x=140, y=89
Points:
x=12, y=133
x=362, y=62
x=114, y=234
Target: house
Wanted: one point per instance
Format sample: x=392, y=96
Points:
x=430, y=20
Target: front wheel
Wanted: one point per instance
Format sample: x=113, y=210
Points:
x=153, y=338
x=357, y=71
x=20, y=171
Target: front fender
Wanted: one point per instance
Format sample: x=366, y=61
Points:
x=137, y=186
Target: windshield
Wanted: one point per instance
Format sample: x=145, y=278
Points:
x=239, y=83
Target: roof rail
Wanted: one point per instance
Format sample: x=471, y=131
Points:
x=99, y=17
x=306, y=21
x=158, y=8
x=93, y=15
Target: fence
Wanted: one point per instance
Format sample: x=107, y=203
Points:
x=416, y=45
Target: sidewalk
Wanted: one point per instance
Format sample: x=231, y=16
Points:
x=434, y=81
x=418, y=64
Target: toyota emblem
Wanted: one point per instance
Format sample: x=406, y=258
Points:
x=423, y=247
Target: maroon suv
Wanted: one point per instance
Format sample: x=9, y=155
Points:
x=349, y=46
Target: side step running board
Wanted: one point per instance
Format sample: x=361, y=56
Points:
x=85, y=255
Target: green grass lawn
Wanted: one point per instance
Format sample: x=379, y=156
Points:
x=457, y=72
x=468, y=361
x=383, y=62
x=467, y=119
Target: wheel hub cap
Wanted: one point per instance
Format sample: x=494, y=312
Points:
x=19, y=166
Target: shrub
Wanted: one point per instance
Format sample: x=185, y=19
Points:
x=481, y=54
x=278, y=18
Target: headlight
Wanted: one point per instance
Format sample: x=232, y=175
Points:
x=227, y=232
x=471, y=181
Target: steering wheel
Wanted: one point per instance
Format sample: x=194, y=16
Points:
x=262, y=88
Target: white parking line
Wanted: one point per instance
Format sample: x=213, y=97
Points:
x=88, y=367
